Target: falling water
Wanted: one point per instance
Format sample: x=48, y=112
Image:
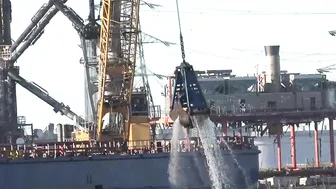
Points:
x=246, y=178
x=215, y=162
x=173, y=167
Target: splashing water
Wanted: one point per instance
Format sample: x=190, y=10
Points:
x=215, y=162
x=246, y=178
x=173, y=167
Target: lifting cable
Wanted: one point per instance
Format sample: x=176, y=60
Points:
x=181, y=37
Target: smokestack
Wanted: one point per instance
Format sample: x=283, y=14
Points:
x=272, y=53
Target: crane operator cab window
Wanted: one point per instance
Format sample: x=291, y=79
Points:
x=139, y=104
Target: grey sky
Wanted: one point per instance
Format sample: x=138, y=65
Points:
x=219, y=34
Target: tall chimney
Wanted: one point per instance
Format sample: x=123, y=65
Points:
x=272, y=53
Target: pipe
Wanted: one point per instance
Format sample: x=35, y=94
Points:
x=272, y=52
x=170, y=88
x=293, y=146
x=332, y=146
x=224, y=127
x=60, y=133
x=279, y=150
x=34, y=34
x=239, y=130
x=187, y=140
x=316, y=140
x=34, y=21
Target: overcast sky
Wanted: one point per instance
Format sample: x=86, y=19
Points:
x=218, y=34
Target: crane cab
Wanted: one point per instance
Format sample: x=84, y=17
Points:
x=139, y=104
x=139, y=121
x=91, y=31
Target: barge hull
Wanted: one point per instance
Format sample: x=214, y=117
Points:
x=129, y=171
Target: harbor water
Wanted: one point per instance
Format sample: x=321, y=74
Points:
x=305, y=152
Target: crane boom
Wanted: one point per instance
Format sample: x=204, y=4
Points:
x=43, y=95
x=34, y=21
x=36, y=32
x=29, y=37
x=89, y=31
x=326, y=69
x=76, y=20
x=89, y=35
x=103, y=60
x=131, y=44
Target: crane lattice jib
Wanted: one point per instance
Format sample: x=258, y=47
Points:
x=120, y=69
x=103, y=59
x=129, y=46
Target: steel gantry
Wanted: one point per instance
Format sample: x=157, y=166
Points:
x=8, y=108
x=30, y=35
x=10, y=74
x=115, y=127
x=120, y=68
x=90, y=62
x=89, y=35
x=130, y=110
x=117, y=74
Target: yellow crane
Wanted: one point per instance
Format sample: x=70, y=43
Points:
x=117, y=59
x=103, y=61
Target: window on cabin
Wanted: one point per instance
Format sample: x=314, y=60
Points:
x=139, y=105
x=307, y=85
x=212, y=87
x=242, y=86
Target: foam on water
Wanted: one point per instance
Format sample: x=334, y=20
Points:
x=174, y=159
x=215, y=161
x=218, y=170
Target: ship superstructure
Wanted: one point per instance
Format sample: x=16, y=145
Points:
x=231, y=94
x=268, y=101
x=228, y=94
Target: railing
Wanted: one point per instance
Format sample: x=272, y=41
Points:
x=91, y=148
x=223, y=110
